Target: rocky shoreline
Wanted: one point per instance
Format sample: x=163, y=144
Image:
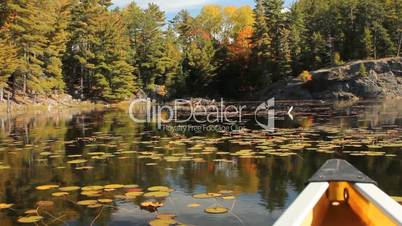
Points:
x=358, y=80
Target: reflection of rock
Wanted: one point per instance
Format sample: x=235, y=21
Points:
x=382, y=79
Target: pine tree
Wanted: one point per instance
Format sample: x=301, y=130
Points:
x=183, y=24
x=171, y=64
x=261, y=38
x=28, y=31
x=367, y=43
x=114, y=78
x=278, y=28
x=318, y=53
x=79, y=62
x=56, y=47
x=260, y=73
x=199, y=63
x=297, y=39
x=8, y=58
x=145, y=29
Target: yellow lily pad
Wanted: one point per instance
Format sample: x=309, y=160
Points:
x=206, y=195
x=87, y=202
x=228, y=197
x=60, y=194
x=71, y=188
x=31, y=211
x=159, y=188
x=157, y=194
x=94, y=206
x=216, y=210
x=134, y=194
x=77, y=161
x=105, y=200
x=46, y=187
x=114, y=186
x=30, y=219
x=92, y=188
x=162, y=222
x=193, y=205
x=5, y=206
x=131, y=186
x=4, y=167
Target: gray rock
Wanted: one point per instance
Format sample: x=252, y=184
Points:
x=382, y=81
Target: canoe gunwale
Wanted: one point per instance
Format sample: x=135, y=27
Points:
x=381, y=200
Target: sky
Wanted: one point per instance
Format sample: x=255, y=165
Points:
x=172, y=7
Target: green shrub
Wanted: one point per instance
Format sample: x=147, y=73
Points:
x=363, y=70
x=338, y=59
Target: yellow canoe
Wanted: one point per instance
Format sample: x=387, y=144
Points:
x=339, y=194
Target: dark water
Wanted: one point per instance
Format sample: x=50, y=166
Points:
x=265, y=179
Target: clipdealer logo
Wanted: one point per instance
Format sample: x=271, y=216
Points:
x=145, y=111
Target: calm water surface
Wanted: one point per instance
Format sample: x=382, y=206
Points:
x=264, y=172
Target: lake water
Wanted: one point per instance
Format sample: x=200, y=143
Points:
x=250, y=174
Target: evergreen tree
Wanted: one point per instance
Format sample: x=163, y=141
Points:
x=114, y=77
x=367, y=43
x=199, y=64
x=56, y=47
x=28, y=32
x=8, y=56
x=171, y=64
x=278, y=28
x=297, y=39
x=80, y=58
x=150, y=49
x=183, y=24
x=261, y=38
x=261, y=54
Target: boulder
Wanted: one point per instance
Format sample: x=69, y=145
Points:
x=381, y=79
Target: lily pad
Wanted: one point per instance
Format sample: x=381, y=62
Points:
x=162, y=222
x=77, y=161
x=228, y=197
x=216, y=210
x=87, y=202
x=157, y=194
x=92, y=188
x=2, y=167
x=47, y=187
x=131, y=186
x=5, y=206
x=114, y=186
x=60, y=194
x=71, y=188
x=29, y=219
x=105, y=201
x=193, y=205
x=159, y=188
x=134, y=194
x=94, y=206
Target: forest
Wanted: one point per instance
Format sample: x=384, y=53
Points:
x=94, y=51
